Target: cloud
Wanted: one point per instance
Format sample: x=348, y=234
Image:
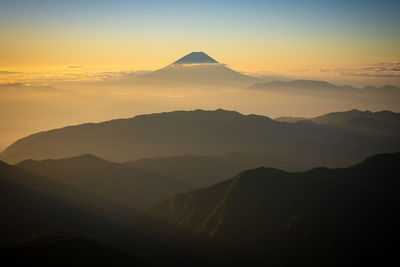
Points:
x=382, y=69
x=115, y=75
x=169, y=95
x=75, y=67
x=5, y=72
x=9, y=77
x=11, y=84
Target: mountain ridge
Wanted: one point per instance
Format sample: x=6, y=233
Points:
x=208, y=133
x=125, y=185
x=40, y=204
x=319, y=217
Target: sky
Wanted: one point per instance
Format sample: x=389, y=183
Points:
x=292, y=38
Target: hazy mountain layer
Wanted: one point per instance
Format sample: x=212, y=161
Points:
x=130, y=187
x=321, y=85
x=305, y=144
x=205, y=171
x=319, y=217
x=379, y=123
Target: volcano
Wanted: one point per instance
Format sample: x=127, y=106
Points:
x=196, y=58
x=196, y=69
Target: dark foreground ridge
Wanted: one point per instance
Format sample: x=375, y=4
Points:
x=321, y=217
x=260, y=217
x=64, y=250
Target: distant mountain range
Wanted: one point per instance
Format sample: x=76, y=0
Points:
x=379, y=123
x=304, y=144
x=321, y=217
x=199, y=70
x=322, y=86
x=129, y=187
x=299, y=84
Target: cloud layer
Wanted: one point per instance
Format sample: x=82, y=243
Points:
x=382, y=69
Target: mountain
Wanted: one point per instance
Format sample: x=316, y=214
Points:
x=203, y=171
x=320, y=217
x=305, y=144
x=127, y=186
x=290, y=119
x=384, y=89
x=194, y=70
x=195, y=58
x=65, y=250
x=300, y=84
x=30, y=204
x=368, y=95
x=379, y=123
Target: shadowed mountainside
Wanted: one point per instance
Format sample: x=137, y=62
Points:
x=127, y=186
x=305, y=144
x=33, y=204
x=321, y=217
x=65, y=250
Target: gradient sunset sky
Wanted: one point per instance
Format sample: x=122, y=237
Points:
x=279, y=37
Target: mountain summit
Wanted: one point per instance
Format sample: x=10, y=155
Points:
x=196, y=69
x=195, y=58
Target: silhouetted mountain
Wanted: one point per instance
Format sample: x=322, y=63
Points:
x=336, y=118
x=300, y=84
x=321, y=217
x=195, y=69
x=369, y=96
x=305, y=144
x=207, y=170
x=130, y=187
x=382, y=122
x=65, y=250
x=384, y=89
x=290, y=119
x=34, y=204
x=195, y=58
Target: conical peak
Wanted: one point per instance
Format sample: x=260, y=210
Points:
x=195, y=58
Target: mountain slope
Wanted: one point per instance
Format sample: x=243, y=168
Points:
x=205, y=171
x=201, y=132
x=34, y=204
x=320, y=217
x=130, y=187
x=65, y=250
